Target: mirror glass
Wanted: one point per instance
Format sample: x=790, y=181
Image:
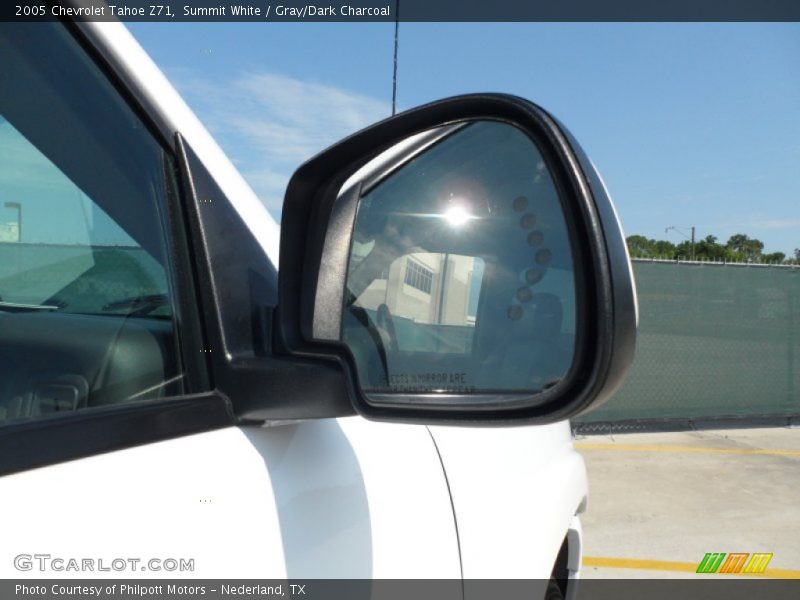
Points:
x=460, y=276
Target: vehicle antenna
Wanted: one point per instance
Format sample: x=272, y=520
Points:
x=394, y=73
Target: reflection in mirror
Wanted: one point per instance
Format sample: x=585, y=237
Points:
x=425, y=302
x=461, y=275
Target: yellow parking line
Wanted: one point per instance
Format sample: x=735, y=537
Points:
x=636, y=563
x=697, y=449
x=671, y=565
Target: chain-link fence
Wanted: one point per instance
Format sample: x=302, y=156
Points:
x=717, y=344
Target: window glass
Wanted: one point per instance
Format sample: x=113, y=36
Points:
x=85, y=300
x=73, y=256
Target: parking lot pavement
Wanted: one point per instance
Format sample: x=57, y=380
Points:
x=659, y=502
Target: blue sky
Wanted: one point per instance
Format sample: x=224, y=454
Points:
x=689, y=124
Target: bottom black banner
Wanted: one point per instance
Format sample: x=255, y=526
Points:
x=396, y=589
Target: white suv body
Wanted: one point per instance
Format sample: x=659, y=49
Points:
x=339, y=497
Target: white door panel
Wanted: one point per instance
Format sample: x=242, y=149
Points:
x=413, y=528
x=329, y=498
x=515, y=493
x=202, y=496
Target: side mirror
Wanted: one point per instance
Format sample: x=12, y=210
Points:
x=461, y=262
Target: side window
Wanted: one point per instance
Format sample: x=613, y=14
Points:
x=86, y=310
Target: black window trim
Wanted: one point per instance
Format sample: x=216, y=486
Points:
x=44, y=441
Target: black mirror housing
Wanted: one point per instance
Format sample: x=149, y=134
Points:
x=318, y=223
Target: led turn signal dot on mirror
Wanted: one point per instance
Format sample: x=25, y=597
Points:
x=515, y=312
x=533, y=275
x=520, y=203
x=535, y=238
x=524, y=294
x=527, y=221
x=544, y=256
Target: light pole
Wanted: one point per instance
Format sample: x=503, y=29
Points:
x=443, y=282
x=678, y=229
x=18, y=207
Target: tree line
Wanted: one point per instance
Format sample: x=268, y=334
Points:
x=739, y=248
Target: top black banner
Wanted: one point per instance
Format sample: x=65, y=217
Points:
x=404, y=10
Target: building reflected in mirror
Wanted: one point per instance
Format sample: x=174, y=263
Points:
x=432, y=298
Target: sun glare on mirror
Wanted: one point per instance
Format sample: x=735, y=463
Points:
x=457, y=216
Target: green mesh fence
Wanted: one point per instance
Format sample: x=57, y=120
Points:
x=714, y=341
